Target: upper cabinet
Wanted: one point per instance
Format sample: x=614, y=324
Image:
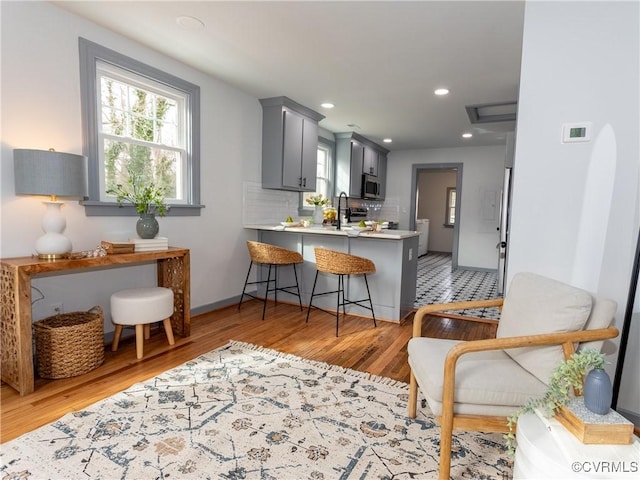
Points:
x=357, y=156
x=382, y=174
x=370, y=163
x=289, y=145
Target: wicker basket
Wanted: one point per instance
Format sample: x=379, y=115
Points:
x=69, y=344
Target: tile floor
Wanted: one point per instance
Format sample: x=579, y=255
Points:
x=438, y=284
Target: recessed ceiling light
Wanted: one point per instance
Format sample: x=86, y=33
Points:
x=441, y=91
x=387, y=140
x=327, y=105
x=467, y=135
x=190, y=23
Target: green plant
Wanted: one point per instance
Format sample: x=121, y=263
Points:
x=567, y=377
x=146, y=198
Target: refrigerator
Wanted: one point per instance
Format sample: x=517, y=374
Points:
x=503, y=228
x=505, y=212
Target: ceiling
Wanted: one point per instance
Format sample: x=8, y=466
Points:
x=378, y=62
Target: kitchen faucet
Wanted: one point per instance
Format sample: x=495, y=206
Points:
x=346, y=199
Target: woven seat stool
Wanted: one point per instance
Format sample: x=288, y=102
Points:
x=341, y=264
x=271, y=256
x=140, y=307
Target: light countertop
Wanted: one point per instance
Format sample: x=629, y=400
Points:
x=384, y=234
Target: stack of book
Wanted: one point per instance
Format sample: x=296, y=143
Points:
x=117, y=247
x=150, y=244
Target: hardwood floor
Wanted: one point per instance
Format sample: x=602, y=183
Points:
x=380, y=351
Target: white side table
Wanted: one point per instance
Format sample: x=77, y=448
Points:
x=545, y=449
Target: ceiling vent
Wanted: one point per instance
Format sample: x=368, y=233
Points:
x=492, y=112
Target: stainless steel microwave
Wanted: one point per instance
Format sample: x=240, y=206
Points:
x=370, y=187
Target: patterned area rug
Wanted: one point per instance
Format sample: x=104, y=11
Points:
x=245, y=412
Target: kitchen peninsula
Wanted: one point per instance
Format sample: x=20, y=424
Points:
x=394, y=252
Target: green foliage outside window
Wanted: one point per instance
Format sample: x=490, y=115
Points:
x=137, y=117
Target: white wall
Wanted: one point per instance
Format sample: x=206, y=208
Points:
x=483, y=170
x=575, y=206
x=41, y=109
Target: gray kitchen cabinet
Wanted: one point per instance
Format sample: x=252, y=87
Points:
x=370, y=162
x=289, y=145
x=357, y=155
x=356, y=165
x=382, y=173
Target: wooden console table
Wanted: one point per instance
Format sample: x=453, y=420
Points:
x=173, y=271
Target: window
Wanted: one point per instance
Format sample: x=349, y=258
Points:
x=324, y=175
x=450, y=215
x=139, y=121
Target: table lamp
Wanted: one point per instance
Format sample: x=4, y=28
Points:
x=55, y=174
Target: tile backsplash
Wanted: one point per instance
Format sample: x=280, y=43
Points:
x=264, y=206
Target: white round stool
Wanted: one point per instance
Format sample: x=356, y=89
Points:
x=141, y=307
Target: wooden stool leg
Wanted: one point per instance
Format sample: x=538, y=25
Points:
x=139, y=341
x=168, y=330
x=116, y=338
x=147, y=331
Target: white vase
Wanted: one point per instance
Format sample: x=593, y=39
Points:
x=318, y=216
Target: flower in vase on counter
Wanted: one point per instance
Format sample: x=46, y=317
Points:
x=317, y=200
x=147, y=198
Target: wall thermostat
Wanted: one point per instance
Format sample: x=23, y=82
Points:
x=576, y=132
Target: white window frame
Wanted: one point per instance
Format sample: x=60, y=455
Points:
x=452, y=198
x=93, y=59
x=329, y=148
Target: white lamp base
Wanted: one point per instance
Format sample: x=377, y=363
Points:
x=53, y=244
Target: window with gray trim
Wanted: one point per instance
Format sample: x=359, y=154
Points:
x=324, y=176
x=138, y=120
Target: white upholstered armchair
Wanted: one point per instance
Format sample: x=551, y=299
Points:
x=475, y=385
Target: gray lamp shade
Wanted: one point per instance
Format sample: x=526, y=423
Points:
x=46, y=172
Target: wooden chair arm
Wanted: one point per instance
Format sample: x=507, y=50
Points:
x=442, y=307
x=530, y=341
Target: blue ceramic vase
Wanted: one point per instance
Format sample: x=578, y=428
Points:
x=598, y=392
x=147, y=226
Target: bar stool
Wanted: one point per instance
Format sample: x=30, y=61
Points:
x=341, y=264
x=140, y=307
x=273, y=256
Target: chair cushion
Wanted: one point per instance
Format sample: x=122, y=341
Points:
x=535, y=305
x=487, y=383
x=602, y=314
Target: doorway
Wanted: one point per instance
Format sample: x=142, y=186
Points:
x=437, y=198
